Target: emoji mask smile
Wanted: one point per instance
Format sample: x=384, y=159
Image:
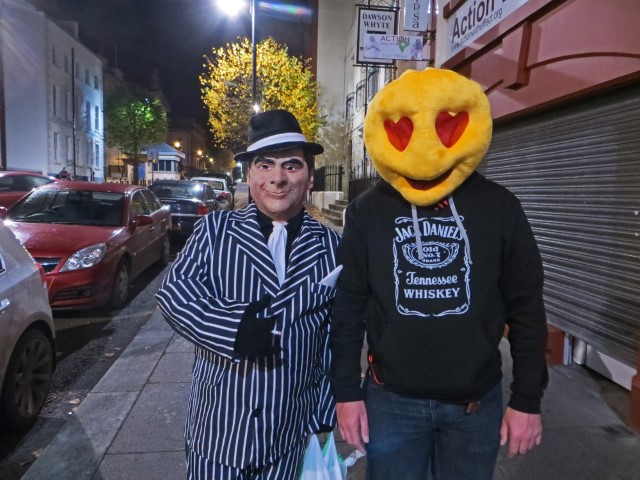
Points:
x=427, y=131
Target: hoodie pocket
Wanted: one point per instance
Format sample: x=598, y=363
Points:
x=444, y=358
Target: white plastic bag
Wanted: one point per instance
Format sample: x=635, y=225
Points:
x=325, y=463
x=313, y=465
x=335, y=467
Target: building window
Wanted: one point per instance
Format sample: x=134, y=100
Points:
x=360, y=94
x=67, y=105
x=87, y=111
x=373, y=84
x=56, y=136
x=96, y=158
x=388, y=75
x=96, y=118
x=69, y=148
x=86, y=76
x=54, y=100
x=165, y=166
x=349, y=105
x=95, y=82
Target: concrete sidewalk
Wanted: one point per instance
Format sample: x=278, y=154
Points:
x=131, y=425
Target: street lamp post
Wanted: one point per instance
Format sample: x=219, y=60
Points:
x=232, y=7
x=254, y=75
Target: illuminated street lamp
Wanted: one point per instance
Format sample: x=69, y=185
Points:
x=232, y=8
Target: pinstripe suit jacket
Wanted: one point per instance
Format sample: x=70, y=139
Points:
x=245, y=412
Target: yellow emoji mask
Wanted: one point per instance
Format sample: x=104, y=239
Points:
x=427, y=131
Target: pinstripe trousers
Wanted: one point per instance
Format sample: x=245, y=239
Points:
x=286, y=467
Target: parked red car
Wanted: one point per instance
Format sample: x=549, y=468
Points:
x=91, y=239
x=15, y=185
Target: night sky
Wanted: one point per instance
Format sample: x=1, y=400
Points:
x=168, y=35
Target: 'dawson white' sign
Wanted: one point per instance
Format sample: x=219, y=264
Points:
x=393, y=47
x=372, y=22
x=475, y=18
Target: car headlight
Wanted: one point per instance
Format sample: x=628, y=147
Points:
x=85, y=258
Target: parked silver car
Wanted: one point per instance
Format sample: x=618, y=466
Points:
x=222, y=189
x=27, y=338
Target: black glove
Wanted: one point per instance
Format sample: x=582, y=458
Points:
x=257, y=306
x=254, y=338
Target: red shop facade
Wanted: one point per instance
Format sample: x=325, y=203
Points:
x=563, y=79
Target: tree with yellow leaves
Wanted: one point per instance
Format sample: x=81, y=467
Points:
x=283, y=81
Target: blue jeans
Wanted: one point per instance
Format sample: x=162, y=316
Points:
x=410, y=437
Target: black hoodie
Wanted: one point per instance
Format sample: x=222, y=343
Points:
x=434, y=321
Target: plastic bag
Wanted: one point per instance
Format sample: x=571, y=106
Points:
x=325, y=463
x=336, y=468
x=313, y=465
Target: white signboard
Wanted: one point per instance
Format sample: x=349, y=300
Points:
x=394, y=47
x=417, y=14
x=374, y=21
x=475, y=18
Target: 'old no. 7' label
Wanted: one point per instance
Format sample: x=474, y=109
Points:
x=438, y=283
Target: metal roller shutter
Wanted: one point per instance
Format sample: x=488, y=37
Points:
x=576, y=170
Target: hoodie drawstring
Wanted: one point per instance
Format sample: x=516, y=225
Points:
x=463, y=232
x=416, y=230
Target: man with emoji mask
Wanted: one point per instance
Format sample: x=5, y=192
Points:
x=437, y=261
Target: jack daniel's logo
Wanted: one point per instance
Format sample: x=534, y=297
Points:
x=438, y=283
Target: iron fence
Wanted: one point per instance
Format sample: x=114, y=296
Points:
x=359, y=185
x=328, y=178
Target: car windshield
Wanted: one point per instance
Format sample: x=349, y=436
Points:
x=77, y=207
x=216, y=185
x=22, y=183
x=186, y=190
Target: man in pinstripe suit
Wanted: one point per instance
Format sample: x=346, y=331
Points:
x=257, y=309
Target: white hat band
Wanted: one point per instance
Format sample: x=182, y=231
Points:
x=276, y=140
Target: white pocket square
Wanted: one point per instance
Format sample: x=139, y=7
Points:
x=332, y=277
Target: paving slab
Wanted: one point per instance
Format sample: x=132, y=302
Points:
x=180, y=344
x=132, y=370
x=156, y=327
x=156, y=465
x=173, y=367
x=156, y=422
x=77, y=450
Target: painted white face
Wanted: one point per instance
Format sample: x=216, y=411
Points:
x=278, y=183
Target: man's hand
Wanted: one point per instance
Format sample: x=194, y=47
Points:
x=353, y=424
x=522, y=430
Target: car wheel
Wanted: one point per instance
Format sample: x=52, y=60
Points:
x=121, y=285
x=27, y=380
x=166, y=252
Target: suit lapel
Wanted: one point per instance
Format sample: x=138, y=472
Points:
x=305, y=251
x=245, y=233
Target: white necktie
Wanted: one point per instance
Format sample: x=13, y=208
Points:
x=277, y=246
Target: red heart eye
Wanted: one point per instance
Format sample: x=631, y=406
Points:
x=450, y=128
x=399, y=133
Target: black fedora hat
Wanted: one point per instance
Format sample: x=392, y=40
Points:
x=275, y=130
